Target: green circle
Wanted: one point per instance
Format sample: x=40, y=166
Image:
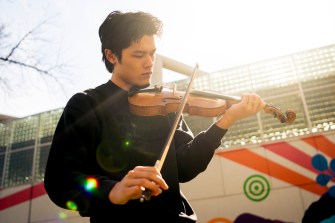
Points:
x=256, y=188
x=252, y=191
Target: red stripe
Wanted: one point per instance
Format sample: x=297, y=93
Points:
x=291, y=153
x=22, y=196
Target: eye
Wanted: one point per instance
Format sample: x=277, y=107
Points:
x=138, y=55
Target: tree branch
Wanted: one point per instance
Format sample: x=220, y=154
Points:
x=22, y=39
x=19, y=56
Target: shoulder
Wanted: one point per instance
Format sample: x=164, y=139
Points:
x=99, y=93
x=88, y=99
x=80, y=98
x=79, y=104
x=90, y=96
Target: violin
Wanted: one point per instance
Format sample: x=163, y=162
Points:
x=161, y=101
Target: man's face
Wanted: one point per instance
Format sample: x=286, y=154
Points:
x=136, y=65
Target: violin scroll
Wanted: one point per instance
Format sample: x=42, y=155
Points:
x=287, y=118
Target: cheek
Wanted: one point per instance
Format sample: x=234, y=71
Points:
x=134, y=67
x=129, y=72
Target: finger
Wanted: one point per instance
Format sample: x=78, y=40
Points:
x=152, y=187
x=150, y=169
x=133, y=188
x=140, y=185
x=155, y=182
x=246, y=98
x=255, y=101
x=121, y=193
x=252, y=99
x=259, y=102
x=146, y=177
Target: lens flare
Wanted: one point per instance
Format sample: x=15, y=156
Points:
x=127, y=143
x=62, y=215
x=91, y=184
x=115, y=159
x=71, y=205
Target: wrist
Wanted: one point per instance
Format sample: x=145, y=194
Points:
x=225, y=121
x=113, y=195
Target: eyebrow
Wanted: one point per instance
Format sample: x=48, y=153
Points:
x=144, y=51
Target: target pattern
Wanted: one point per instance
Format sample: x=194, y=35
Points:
x=256, y=188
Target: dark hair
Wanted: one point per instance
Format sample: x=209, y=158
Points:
x=119, y=30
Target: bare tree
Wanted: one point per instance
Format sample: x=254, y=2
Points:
x=20, y=55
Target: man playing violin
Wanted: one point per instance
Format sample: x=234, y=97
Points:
x=102, y=156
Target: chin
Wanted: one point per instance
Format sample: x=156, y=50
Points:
x=145, y=84
x=140, y=86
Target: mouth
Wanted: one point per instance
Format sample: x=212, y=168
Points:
x=147, y=74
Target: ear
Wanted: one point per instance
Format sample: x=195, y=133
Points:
x=110, y=56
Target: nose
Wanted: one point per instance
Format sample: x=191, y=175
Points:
x=149, y=61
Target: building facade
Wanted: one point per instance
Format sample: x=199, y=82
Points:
x=303, y=82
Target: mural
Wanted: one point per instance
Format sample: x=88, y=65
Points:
x=306, y=164
x=322, y=164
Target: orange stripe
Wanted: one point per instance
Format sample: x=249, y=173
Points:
x=261, y=164
x=322, y=144
x=219, y=220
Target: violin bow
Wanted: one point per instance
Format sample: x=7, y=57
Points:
x=159, y=163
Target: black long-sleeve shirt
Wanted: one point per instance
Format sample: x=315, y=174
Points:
x=98, y=138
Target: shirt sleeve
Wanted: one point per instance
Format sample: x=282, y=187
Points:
x=68, y=178
x=195, y=153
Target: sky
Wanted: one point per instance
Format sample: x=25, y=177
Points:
x=216, y=34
